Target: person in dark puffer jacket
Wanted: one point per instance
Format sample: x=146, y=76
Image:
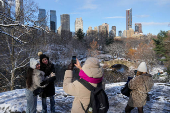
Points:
x=49, y=91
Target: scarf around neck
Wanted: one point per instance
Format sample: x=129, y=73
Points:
x=83, y=75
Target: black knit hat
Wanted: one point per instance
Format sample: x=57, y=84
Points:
x=42, y=56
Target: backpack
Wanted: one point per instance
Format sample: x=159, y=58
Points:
x=98, y=99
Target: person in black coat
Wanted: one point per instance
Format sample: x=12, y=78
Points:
x=49, y=91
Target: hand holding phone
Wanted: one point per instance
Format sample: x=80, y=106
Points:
x=77, y=64
x=73, y=60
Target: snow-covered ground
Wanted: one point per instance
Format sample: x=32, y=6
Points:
x=159, y=68
x=15, y=101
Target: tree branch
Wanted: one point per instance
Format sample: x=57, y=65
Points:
x=5, y=77
x=15, y=38
x=22, y=66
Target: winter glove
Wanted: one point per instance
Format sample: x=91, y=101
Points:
x=44, y=82
x=47, y=81
x=52, y=74
x=70, y=66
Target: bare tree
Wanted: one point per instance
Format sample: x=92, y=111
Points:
x=146, y=53
x=93, y=51
x=18, y=42
x=26, y=12
x=116, y=49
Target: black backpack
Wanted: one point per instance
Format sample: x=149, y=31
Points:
x=98, y=99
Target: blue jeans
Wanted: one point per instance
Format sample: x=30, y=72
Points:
x=31, y=102
x=52, y=105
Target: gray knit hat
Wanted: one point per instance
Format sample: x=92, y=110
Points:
x=92, y=68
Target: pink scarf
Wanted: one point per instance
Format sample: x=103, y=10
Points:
x=83, y=75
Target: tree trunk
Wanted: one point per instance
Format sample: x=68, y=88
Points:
x=13, y=66
x=12, y=80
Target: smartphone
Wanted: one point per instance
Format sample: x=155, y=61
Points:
x=74, y=60
x=135, y=71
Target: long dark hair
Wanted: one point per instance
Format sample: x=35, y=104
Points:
x=29, y=77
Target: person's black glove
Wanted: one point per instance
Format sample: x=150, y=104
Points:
x=44, y=82
x=47, y=81
x=70, y=66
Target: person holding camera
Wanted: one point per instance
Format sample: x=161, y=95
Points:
x=33, y=79
x=140, y=86
x=49, y=91
x=90, y=72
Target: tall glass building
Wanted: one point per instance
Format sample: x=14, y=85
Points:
x=53, y=20
x=114, y=29
x=120, y=33
x=42, y=18
x=128, y=19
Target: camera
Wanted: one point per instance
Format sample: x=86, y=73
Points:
x=73, y=60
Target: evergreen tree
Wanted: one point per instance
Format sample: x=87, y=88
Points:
x=109, y=41
x=162, y=48
x=159, y=43
x=80, y=34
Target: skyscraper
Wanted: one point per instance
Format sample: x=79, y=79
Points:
x=78, y=24
x=65, y=22
x=42, y=18
x=138, y=27
x=53, y=23
x=114, y=29
x=112, y=33
x=128, y=19
x=19, y=11
x=91, y=32
x=104, y=28
x=120, y=33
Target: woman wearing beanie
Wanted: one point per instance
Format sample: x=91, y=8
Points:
x=92, y=73
x=140, y=86
x=33, y=80
x=49, y=91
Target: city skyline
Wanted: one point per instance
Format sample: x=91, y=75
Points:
x=152, y=14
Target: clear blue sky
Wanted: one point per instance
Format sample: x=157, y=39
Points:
x=153, y=14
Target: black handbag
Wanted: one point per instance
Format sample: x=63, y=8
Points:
x=125, y=90
x=38, y=91
x=148, y=97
